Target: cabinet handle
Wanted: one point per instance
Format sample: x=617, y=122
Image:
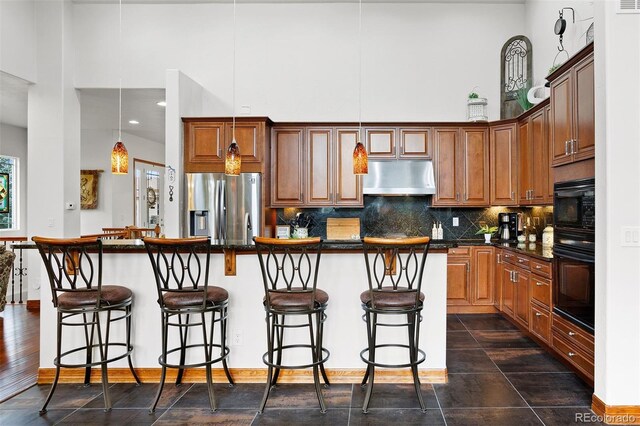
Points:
x=538, y=267
x=571, y=354
x=498, y=260
x=464, y=195
x=538, y=314
x=457, y=196
x=574, y=142
x=513, y=194
x=571, y=333
x=566, y=147
x=539, y=284
x=531, y=194
x=520, y=260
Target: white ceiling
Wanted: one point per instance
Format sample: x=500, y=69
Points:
x=99, y=110
x=298, y=1
x=13, y=100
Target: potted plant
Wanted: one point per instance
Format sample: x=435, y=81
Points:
x=487, y=231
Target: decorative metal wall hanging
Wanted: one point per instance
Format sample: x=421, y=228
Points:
x=516, y=72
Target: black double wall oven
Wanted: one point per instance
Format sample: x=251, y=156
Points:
x=574, y=251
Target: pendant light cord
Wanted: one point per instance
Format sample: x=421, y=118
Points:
x=359, y=68
x=233, y=76
x=120, y=74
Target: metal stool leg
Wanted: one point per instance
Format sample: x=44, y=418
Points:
x=320, y=318
x=129, y=346
x=270, y=332
x=208, y=350
x=413, y=355
x=280, y=334
x=372, y=358
x=183, y=342
x=223, y=344
x=162, y=360
x=89, y=342
x=57, y=363
x=314, y=357
x=103, y=364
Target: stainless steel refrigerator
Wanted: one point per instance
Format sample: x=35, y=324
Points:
x=226, y=208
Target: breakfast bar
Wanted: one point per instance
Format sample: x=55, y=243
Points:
x=342, y=275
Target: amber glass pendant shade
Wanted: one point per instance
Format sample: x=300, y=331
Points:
x=360, y=160
x=233, y=160
x=119, y=159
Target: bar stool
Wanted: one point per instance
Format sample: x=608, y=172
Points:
x=181, y=270
x=290, y=275
x=74, y=267
x=394, y=273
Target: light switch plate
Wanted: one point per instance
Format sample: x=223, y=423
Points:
x=456, y=221
x=631, y=236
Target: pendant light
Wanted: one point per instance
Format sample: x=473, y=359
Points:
x=360, y=158
x=233, y=160
x=119, y=154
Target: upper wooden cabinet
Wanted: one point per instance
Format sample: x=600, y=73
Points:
x=206, y=141
x=504, y=165
x=534, y=160
x=313, y=167
x=399, y=142
x=462, y=166
x=573, y=110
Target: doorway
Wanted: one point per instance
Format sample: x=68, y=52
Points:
x=148, y=185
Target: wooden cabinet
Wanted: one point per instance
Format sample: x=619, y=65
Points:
x=415, y=143
x=551, y=178
x=288, y=167
x=508, y=293
x=313, y=167
x=497, y=282
x=380, y=142
x=482, y=275
x=515, y=287
x=573, y=344
x=521, y=296
x=573, y=110
x=462, y=166
x=206, y=141
x=533, y=162
x=458, y=279
x=504, y=165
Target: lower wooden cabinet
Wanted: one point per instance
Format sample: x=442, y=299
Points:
x=470, y=278
x=573, y=344
x=540, y=324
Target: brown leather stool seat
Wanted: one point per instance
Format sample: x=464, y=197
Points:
x=388, y=298
x=111, y=295
x=296, y=300
x=215, y=296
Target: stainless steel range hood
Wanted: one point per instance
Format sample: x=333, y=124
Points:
x=399, y=177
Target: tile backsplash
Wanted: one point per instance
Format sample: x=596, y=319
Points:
x=414, y=216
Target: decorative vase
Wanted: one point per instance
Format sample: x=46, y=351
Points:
x=487, y=238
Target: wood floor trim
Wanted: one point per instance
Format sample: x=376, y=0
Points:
x=615, y=414
x=243, y=375
x=33, y=305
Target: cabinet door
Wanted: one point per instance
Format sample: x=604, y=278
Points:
x=458, y=288
x=498, y=277
x=504, y=176
x=482, y=279
x=550, y=170
x=561, y=118
x=380, y=142
x=475, y=166
x=248, y=136
x=416, y=142
x=287, y=167
x=319, y=167
x=203, y=143
x=539, y=160
x=446, y=149
x=524, y=162
x=348, y=185
x=521, y=286
x=508, y=300
x=584, y=112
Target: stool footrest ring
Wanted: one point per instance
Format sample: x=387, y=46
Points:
x=325, y=357
x=421, y=357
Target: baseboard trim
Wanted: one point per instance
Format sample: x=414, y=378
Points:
x=486, y=309
x=615, y=414
x=243, y=375
x=33, y=305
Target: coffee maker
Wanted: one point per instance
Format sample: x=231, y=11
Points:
x=508, y=229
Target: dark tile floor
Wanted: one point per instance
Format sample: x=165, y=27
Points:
x=497, y=376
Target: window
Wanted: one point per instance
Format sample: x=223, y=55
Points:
x=9, y=206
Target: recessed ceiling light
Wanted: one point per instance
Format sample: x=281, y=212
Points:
x=162, y=103
x=134, y=122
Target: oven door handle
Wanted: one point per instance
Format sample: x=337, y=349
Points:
x=573, y=255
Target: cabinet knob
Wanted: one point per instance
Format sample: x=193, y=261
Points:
x=571, y=333
x=538, y=314
x=538, y=267
x=538, y=284
x=520, y=260
x=571, y=354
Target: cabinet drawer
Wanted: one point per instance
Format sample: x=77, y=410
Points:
x=540, y=324
x=541, y=290
x=522, y=261
x=460, y=251
x=572, y=334
x=572, y=354
x=541, y=268
x=509, y=257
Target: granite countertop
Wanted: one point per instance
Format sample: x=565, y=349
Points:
x=530, y=249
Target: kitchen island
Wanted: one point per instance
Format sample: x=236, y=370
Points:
x=342, y=275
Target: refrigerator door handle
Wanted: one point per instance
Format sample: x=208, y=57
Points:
x=247, y=228
x=223, y=211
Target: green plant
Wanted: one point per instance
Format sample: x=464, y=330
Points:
x=522, y=99
x=473, y=95
x=553, y=68
x=486, y=229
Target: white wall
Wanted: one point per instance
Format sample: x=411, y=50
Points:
x=300, y=61
x=541, y=16
x=13, y=142
x=115, y=192
x=617, y=72
x=18, y=38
